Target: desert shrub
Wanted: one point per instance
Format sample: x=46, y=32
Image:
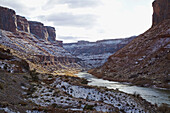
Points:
x=50, y=76
x=88, y=107
x=63, y=87
x=84, y=81
x=22, y=103
x=34, y=75
x=136, y=95
x=80, y=102
x=164, y=108
x=54, y=105
x=1, y=86
x=31, y=90
x=14, y=80
x=25, y=77
x=22, y=84
x=5, y=66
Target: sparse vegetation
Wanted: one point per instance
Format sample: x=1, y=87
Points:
x=34, y=75
x=136, y=95
x=164, y=108
x=1, y=86
x=84, y=81
x=88, y=107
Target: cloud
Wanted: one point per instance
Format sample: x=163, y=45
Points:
x=68, y=37
x=72, y=3
x=16, y=5
x=69, y=19
x=80, y=3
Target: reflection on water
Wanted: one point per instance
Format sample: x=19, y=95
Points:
x=152, y=95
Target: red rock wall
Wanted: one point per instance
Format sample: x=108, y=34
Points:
x=8, y=19
x=38, y=29
x=161, y=11
x=51, y=33
x=22, y=24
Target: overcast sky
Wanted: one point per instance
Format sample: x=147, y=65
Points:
x=87, y=19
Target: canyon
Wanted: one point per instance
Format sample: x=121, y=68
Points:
x=144, y=61
x=38, y=72
x=95, y=54
x=34, y=43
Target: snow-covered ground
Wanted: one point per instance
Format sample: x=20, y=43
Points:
x=76, y=97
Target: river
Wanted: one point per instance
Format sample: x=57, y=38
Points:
x=152, y=95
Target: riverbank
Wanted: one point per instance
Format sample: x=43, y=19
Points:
x=142, y=82
x=153, y=95
x=49, y=93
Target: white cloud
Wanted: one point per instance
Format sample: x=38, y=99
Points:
x=89, y=19
x=69, y=19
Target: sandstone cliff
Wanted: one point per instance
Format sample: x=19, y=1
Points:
x=51, y=33
x=22, y=24
x=161, y=11
x=38, y=29
x=8, y=19
x=94, y=54
x=28, y=41
x=146, y=60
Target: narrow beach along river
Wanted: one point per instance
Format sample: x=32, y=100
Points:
x=152, y=95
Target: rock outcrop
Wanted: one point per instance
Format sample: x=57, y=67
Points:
x=94, y=54
x=161, y=11
x=60, y=43
x=145, y=61
x=43, y=55
x=22, y=24
x=51, y=33
x=8, y=19
x=38, y=29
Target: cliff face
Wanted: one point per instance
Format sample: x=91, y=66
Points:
x=94, y=54
x=22, y=24
x=38, y=29
x=146, y=60
x=8, y=19
x=42, y=55
x=161, y=11
x=51, y=33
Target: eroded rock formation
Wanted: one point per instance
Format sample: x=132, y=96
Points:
x=51, y=33
x=22, y=24
x=8, y=19
x=144, y=61
x=38, y=29
x=43, y=55
x=161, y=11
x=95, y=54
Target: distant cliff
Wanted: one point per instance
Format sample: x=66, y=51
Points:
x=9, y=21
x=146, y=60
x=35, y=44
x=94, y=54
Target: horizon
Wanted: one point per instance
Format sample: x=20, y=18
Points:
x=89, y=20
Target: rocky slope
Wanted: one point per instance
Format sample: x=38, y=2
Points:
x=94, y=54
x=146, y=60
x=34, y=43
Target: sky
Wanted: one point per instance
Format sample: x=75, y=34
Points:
x=89, y=20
